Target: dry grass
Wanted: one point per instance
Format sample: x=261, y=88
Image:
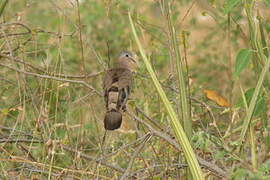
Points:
x=52, y=58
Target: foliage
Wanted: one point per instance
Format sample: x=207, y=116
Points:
x=209, y=58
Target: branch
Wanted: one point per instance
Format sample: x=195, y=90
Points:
x=48, y=73
x=15, y=130
x=84, y=156
x=30, y=31
x=212, y=167
x=120, y=149
x=53, y=78
x=20, y=140
x=127, y=171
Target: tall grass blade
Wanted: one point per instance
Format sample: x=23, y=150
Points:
x=178, y=130
x=254, y=100
x=182, y=83
x=2, y=7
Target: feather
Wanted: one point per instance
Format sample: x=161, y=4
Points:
x=117, y=84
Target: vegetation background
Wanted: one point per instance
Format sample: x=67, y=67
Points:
x=53, y=55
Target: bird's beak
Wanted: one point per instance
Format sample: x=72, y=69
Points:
x=135, y=61
x=132, y=59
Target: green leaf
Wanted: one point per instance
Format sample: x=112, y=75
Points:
x=229, y=5
x=242, y=60
x=260, y=104
x=267, y=2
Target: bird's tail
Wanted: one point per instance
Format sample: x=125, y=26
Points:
x=112, y=120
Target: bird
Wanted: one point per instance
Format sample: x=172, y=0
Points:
x=117, y=84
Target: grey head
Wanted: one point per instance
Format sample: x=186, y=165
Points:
x=127, y=60
x=127, y=54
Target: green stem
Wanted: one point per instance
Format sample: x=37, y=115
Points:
x=182, y=83
x=254, y=100
x=3, y=6
x=178, y=130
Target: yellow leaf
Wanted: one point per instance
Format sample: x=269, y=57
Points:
x=215, y=97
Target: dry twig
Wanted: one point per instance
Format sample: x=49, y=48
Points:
x=53, y=78
x=127, y=171
x=210, y=166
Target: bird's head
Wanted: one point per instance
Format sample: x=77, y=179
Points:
x=127, y=60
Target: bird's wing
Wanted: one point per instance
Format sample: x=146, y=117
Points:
x=117, y=86
x=107, y=83
x=124, y=85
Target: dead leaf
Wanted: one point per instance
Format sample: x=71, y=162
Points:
x=215, y=97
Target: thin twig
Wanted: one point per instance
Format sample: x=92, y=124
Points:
x=84, y=156
x=187, y=13
x=175, y=165
x=27, y=152
x=7, y=140
x=15, y=130
x=208, y=109
x=122, y=148
x=29, y=30
x=65, y=148
x=80, y=37
x=22, y=160
x=212, y=167
x=48, y=73
x=53, y=78
x=135, y=154
x=150, y=119
x=30, y=168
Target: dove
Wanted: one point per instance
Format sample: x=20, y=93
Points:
x=117, y=86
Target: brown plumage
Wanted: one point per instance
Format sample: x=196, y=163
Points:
x=117, y=87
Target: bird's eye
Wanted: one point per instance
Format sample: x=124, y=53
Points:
x=127, y=55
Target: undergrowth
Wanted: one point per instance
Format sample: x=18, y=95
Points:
x=204, y=69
